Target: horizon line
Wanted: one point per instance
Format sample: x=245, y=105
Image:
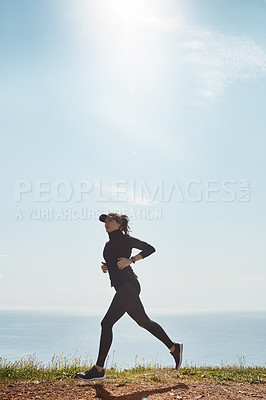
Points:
x=99, y=312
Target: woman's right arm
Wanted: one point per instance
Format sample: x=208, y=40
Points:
x=104, y=267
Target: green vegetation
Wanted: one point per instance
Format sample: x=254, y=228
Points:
x=65, y=368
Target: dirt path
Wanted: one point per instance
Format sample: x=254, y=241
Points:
x=77, y=390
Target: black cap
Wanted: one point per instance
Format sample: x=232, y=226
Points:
x=111, y=215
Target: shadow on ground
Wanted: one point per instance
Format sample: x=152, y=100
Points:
x=102, y=393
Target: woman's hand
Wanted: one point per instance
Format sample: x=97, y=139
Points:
x=124, y=262
x=104, y=267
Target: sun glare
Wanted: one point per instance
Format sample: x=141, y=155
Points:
x=128, y=10
x=121, y=17
x=122, y=29
x=128, y=37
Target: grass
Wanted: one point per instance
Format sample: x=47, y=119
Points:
x=65, y=368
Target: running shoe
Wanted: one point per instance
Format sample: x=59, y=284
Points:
x=91, y=375
x=177, y=354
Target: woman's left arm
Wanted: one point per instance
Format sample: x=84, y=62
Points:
x=146, y=248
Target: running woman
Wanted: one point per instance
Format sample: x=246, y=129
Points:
x=118, y=260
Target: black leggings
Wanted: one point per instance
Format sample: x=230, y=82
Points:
x=127, y=300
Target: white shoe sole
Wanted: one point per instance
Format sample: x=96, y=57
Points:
x=91, y=379
x=180, y=355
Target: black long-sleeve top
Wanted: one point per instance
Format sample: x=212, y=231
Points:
x=120, y=245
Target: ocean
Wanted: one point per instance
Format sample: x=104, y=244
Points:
x=209, y=338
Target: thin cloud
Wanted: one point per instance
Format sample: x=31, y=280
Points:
x=220, y=60
x=2, y=254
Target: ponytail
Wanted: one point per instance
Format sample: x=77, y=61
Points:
x=124, y=224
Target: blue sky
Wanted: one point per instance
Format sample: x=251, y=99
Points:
x=120, y=96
